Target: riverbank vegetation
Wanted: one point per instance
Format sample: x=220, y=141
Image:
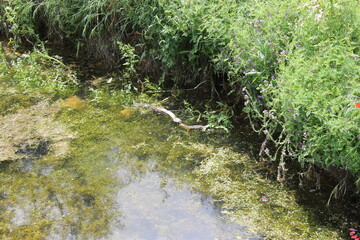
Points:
x=293, y=67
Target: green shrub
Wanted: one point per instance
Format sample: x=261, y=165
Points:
x=37, y=71
x=312, y=104
x=307, y=110
x=16, y=21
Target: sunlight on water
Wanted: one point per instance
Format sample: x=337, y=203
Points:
x=155, y=206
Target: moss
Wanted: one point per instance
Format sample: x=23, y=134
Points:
x=229, y=176
x=12, y=100
x=241, y=190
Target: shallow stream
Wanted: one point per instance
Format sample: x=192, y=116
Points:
x=104, y=169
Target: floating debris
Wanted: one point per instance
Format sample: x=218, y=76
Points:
x=74, y=102
x=127, y=112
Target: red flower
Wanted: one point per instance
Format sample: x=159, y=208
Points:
x=357, y=105
x=354, y=237
x=352, y=233
x=264, y=199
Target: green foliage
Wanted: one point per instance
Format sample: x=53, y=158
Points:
x=3, y=62
x=312, y=104
x=130, y=60
x=190, y=34
x=16, y=20
x=219, y=119
x=37, y=71
x=214, y=119
x=307, y=108
x=119, y=87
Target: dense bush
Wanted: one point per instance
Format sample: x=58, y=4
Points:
x=16, y=21
x=294, y=65
x=307, y=107
x=39, y=72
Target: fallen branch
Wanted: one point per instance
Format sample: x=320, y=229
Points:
x=172, y=115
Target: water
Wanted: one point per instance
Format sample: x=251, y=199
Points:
x=110, y=185
x=155, y=206
x=83, y=171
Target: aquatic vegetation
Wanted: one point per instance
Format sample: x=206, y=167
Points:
x=28, y=132
x=251, y=199
x=60, y=178
x=127, y=112
x=44, y=190
x=231, y=177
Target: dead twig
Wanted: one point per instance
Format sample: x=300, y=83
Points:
x=172, y=115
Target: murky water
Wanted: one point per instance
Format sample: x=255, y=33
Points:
x=107, y=186
x=78, y=170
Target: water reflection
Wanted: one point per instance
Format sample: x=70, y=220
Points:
x=156, y=207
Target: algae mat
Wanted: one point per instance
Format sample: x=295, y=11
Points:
x=73, y=170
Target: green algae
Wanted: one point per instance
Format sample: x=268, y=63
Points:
x=64, y=194
x=10, y=103
x=68, y=190
x=229, y=176
x=241, y=191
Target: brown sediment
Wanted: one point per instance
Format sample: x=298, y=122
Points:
x=126, y=112
x=74, y=102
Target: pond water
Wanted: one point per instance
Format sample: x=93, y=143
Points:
x=154, y=206
x=104, y=169
x=122, y=179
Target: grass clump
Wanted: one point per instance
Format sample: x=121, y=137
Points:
x=37, y=71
